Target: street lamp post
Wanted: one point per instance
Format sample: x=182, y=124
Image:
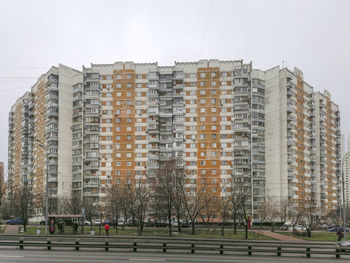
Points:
x=46, y=187
x=343, y=186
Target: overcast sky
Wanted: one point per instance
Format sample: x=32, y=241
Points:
x=311, y=35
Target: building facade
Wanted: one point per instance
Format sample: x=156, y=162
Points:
x=221, y=120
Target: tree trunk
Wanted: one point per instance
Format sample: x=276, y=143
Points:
x=223, y=227
x=178, y=224
x=234, y=224
x=169, y=224
x=193, y=227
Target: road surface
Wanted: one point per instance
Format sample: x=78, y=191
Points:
x=44, y=256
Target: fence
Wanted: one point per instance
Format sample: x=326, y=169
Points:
x=166, y=244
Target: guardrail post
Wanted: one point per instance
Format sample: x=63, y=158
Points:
x=21, y=243
x=308, y=252
x=77, y=244
x=221, y=249
x=279, y=253
x=135, y=246
x=337, y=252
x=164, y=247
x=106, y=245
x=192, y=248
x=249, y=250
x=48, y=244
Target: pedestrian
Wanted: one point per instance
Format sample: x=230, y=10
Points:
x=107, y=229
x=339, y=234
x=75, y=228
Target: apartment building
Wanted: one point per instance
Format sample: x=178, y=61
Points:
x=221, y=120
x=39, y=129
x=303, y=142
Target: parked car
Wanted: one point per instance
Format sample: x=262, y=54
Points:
x=345, y=246
x=97, y=222
x=15, y=221
x=298, y=228
x=335, y=229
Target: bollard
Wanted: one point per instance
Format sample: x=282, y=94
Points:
x=221, y=249
x=164, y=247
x=106, y=245
x=308, y=252
x=48, y=244
x=192, y=248
x=279, y=249
x=77, y=244
x=249, y=250
x=135, y=246
x=21, y=243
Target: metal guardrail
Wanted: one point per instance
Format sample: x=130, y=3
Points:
x=166, y=244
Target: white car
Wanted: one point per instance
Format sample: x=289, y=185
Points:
x=97, y=222
x=298, y=228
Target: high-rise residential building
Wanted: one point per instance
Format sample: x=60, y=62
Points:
x=219, y=119
x=40, y=136
x=302, y=141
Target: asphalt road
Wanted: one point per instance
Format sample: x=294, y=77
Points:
x=40, y=256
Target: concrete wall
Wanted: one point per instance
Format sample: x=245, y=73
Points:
x=65, y=101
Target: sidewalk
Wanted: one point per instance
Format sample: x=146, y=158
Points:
x=278, y=236
x=11, y=229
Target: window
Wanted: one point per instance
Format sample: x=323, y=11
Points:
x=117, y=137
x=128, y=155
x=213, y=163
x=202, y=92
x=202, y=74
x=202, y=154
x=214, y=180
x=213, y=118
x=202, y=83
x=128, y=128
x=213, y=127
x=128, y=146
x=119, y=94
x=128, y=163
x=213, y=74
x=213, y=101
x=128, y=85
x=202, y=145
x=118, y=163
x=117, y=129
x=203, y=163
x=202, y=118
x=119, y=85
x=202, y=101
x=213, y=83
x=213, y=109
x=203, y=172
x=202, y=110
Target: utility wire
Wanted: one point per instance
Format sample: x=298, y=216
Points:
x=259, y=13
x=205, y=29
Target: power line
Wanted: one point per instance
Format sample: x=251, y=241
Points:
x=205, y=28
x=259, y=13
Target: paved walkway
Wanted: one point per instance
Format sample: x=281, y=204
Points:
x=11, y=229
x=278, y=236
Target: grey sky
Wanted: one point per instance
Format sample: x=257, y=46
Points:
x=312, y=35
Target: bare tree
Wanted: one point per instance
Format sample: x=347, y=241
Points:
x=164, y=190
x=179, y=197
x=23, y=204
x=114, y=204
x=193, y=202
x=72, y=204
x=224, y=206
x=234, y=203
x=309, y=216
x=90, y=205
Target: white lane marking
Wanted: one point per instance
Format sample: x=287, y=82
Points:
x=147, y=259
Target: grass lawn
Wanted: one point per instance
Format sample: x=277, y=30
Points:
x=157, y=231
x=315, y=236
